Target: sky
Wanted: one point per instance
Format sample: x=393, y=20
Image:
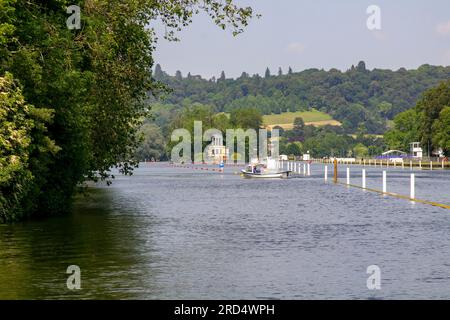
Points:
x=321, y=34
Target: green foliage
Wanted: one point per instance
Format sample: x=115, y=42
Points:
x=406, y=130
x=356, y=97
x=249, y=118
x=328, y=144
x=430, y=106
x=298, y=131
x=97, y=80
x=293, y=148
x=23, y=134
x=360, y=150
x=441, y=130
x=153, y=143
x=427, y=122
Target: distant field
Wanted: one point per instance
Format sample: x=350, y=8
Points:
x=286, y=119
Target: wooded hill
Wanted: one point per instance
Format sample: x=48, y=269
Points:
x=359, y=98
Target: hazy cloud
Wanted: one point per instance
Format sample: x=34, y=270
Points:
x=295, y=48
x=443, y=28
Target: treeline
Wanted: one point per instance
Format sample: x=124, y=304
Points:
x=359, y=98
x=320, y=142
x=328, y=141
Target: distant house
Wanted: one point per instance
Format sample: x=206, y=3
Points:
x=216, y=151
x=306, y=156
x=416, y=150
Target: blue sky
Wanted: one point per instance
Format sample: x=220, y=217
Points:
x=314, y=34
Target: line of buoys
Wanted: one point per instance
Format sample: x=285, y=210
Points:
x=195, y=168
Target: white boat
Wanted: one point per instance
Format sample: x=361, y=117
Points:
x=264, y=170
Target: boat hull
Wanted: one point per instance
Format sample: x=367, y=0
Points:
x=283, y=174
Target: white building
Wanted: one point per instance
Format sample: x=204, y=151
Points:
x=306, y=156
x=216, y=151
x=416, y=150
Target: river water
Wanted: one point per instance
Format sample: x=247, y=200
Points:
x=178, y=233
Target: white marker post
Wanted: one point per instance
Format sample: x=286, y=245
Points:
x=309, y=169
x=431, y=165
x=304, y=169
x=326, y=173
x=384, y=181
x=348, y=175
x=412, y=194
x=410, y=165
x=295, y=166
x=363, y=178
x=299, y=169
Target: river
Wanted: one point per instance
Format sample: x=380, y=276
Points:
x=176, y=233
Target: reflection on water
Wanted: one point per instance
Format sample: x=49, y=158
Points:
x=112, y=254
x=174, y=233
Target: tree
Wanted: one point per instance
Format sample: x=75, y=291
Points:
x=153, y=145
x=222, y=76
x=361, y=66
x=352, y=116
x=221, y=122
x=294, y=148
x=267, y=73
x=244, y=75
x=385, y=109
x=249, y=118
x=441, y=130
x=327, y=144
x=178, y=75
x=24, y=144
x=405, y=131
x=97, y=80
x=158, y=72
x=360, y=150
x=430, y=106
x=298, y=131
x=280, y=71
x=280, y=130
x=290, y=70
